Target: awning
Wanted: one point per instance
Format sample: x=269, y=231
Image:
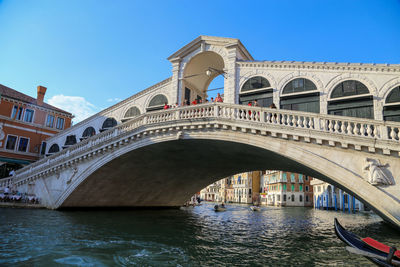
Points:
x=18, y=161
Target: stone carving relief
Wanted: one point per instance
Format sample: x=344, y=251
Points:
x=378, y=174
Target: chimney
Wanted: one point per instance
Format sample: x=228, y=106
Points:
x=41, y=91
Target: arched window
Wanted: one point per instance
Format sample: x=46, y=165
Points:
x=88, y=132
x=391, y=110
x=54, y=148
x=352, y=99
x=292, y=198
x=130, y=113
x=300, y=94
x=69, y=141
x=108, y=124
x=157, y=103
x=256, y=88
x=301, y=198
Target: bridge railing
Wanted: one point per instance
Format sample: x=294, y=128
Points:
x=365, y=128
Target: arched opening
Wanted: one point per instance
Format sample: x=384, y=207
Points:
x=88, y=132
x=300, y=94
x=131, y=113
x=256, y=89
x=53, y=149
x=352, y=99
x=108, y=124
x=391, y=109
x=157, y=103
x=69, y=141
x=199, y=72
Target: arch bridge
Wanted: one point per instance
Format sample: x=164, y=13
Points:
x=161, y=158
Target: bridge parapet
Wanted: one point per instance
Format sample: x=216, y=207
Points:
x=348, y=133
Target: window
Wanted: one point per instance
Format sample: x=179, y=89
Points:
x=349, y=88
x=301, y=188
x=292, y=178
x=50, y=121
x=279, y=197
x=353, y=105
x=43, y=149
x=17, y=113
x=392, y=112
x=23, y=144
x=292, y=198
x=300, y=178
x=255, y=83
x=157, y=103
x=132, y=112
x=284, y=187
x=60, y=123
x=284, y=177
x=29, y=115
x=11, y=141
x=256, y=88
x=301, y=198
x=306, y=178
x=307, y=199
x=284, y=197
x=249, y=191
x=292, y=187
x=307, y=100
x=54, y=148
x=306, y=188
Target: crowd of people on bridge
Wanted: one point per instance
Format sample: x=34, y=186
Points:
x=199, y=101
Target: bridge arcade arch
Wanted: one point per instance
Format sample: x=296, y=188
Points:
x=199, y=73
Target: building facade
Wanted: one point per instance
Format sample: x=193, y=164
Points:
x=288, y=189
x=246, y=187
x=327, y=196
x=25, y=124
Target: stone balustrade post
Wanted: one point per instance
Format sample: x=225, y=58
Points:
x=317, y=123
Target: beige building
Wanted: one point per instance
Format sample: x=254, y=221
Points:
x=246, y=187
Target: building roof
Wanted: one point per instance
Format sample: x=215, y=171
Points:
x=14, y=94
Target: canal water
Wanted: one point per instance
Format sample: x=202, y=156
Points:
x=191, y=237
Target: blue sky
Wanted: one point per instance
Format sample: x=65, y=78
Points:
x=91, y=54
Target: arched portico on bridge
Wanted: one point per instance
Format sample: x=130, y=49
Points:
x=198, y=73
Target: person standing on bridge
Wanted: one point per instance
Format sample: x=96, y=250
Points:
x=219, y=98
x=166, y=106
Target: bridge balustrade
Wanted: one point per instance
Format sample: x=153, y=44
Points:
x=364, y=128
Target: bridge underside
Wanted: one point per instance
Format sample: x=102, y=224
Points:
x=168, y=173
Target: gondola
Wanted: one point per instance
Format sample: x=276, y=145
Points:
x=220, y=207
x=378, y=253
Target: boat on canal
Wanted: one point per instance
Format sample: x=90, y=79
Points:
x=220, y=207
x=378, y=253
x=255, y=208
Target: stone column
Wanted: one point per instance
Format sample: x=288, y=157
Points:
x=176, y=82
x=230, y=81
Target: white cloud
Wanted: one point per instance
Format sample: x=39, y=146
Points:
x=77, y=105
x=114, y=99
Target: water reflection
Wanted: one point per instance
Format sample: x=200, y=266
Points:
x=197, y=236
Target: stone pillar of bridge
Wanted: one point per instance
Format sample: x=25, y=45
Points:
x=176, y=82
x=230, y=77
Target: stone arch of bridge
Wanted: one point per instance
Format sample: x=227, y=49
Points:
x=165, y=171
x=199, y=72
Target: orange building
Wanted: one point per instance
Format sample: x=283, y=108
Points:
x=25, y=123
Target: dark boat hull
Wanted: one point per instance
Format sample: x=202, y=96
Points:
x=356, y=242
